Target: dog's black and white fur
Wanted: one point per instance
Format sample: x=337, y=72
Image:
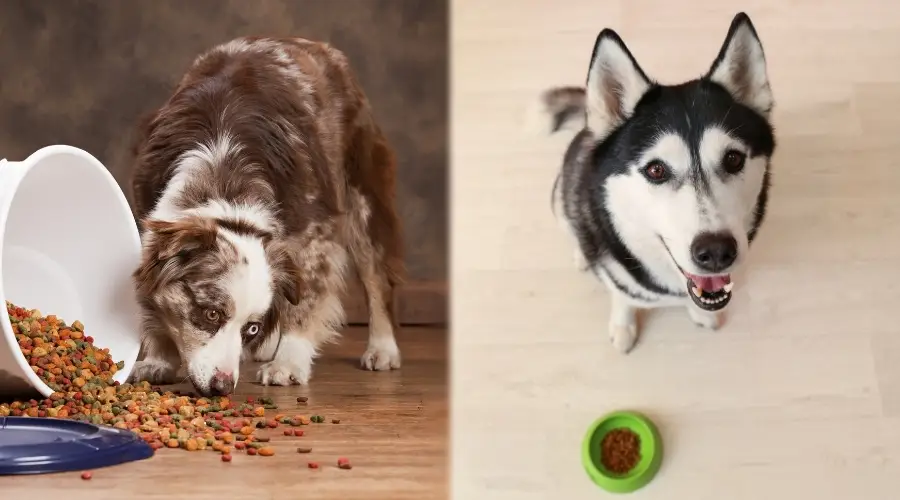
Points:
x=665, y=187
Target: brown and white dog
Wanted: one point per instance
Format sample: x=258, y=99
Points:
x=260, y=182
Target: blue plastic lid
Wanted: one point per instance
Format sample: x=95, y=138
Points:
x=43, y=445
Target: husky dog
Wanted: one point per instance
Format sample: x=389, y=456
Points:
x=665, y=187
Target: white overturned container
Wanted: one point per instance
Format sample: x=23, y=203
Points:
x=68, y=246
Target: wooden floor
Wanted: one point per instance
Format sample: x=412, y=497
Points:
x=393, y=428
x=798, y=396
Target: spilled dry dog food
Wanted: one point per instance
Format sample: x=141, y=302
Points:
x=60, y=354
x=82, y=376
x=620, y=451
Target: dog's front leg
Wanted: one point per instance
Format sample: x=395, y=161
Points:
x=706, y=319
x=622, y=323
x=160, y=363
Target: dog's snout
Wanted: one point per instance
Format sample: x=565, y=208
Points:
x=222, y=383
x=714, y=252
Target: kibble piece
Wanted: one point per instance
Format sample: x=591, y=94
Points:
x=313, y=465
x=298, y=432
x=86, y=475
x=172, y=443
x=226, y=457
x=335, y=421
x=288, y=432
x=302, y=399
x=266, y=451
x=304, y=450
x=251, y=451
x=246, y=430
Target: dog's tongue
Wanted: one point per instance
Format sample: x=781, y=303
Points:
x=710, y=283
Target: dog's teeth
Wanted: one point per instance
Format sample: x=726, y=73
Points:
x=728, y=287
x=698, y=292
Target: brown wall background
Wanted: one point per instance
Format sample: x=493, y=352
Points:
x=82, y=72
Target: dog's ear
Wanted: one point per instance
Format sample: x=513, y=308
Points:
x=288, y=277
x=615, y=84
x=164, y=240
x=740, y=67
x=171, y=238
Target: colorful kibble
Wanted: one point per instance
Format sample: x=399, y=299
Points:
x=313, y=465
x=335, y=421
x=65, y=358
x=61, y=355
x=344, y=463
x=87, y=475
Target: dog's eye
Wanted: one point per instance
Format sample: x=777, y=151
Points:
x=733, y=162
x=251, y=329
x=212, y=315
x=656, y=172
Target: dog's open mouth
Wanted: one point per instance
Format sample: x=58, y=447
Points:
x=710, y=293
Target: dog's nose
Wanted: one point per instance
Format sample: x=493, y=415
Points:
x=714, y=252
x=222, y=383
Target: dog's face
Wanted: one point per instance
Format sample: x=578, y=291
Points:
x=211, y=288
x=685, y=167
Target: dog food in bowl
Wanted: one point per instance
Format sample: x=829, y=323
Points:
x=620, y=451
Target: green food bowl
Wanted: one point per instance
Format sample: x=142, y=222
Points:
x=647, y=466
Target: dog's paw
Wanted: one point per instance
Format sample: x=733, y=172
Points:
x=280, y=373
x=154, y=371
x=623, y=337
x=705, y=319
x=292, y=364
x=381, y=355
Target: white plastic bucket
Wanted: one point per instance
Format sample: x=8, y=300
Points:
x=68, y=246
